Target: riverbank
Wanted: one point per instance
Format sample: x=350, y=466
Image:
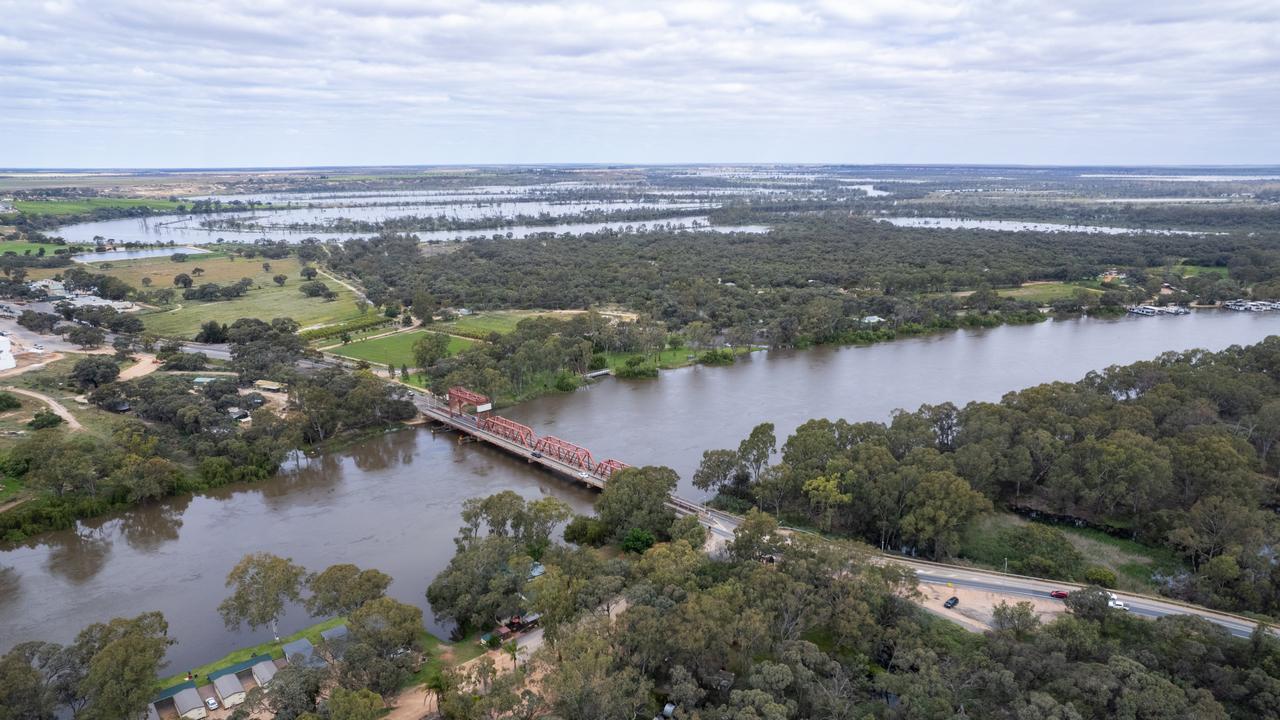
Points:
x=272, y=648
x=392, y=500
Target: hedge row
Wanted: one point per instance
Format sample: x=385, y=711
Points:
x=351, y=326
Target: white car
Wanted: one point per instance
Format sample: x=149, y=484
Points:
x=1115, y=602
x=211, y=703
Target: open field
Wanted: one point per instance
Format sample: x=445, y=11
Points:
x=395, y=349
x=1189, y=270
x=24, y=248
x=74, y=207
x=481, y=325
x=265, y=301
x=1045, y=292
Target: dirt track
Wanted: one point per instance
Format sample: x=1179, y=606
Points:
x=58, y=408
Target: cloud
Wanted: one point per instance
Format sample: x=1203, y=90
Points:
x=259, y=82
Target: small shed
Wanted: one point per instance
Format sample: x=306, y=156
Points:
x=263, y=672
x=268, y=385
x=228, y=688
x=186, y=701
x=302, y=652
x=335, y=640
x=238, y=413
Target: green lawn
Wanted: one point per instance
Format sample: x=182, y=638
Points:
x=667, y=359
x=9, y=489
x=265, y=302
x=74, y=207
x=1189, y=270
x=1045, y=292
x=272, y=648
x=465, y=650
x=395, y=349
x=20, y=248
x=481, y=325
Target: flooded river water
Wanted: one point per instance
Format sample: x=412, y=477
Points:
x=392, y=502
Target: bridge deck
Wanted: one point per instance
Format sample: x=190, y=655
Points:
x=721, y=524
x=468, y=425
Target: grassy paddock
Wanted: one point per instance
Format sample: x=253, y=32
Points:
x=394, y=349
x=265, y=301
x=667, y=359
x=1189, y=270
x=481, y=325
x=22, y=248
x=76, y=207
x=1045, y=292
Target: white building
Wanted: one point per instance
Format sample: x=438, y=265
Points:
x=6, y=354
x=53, y=287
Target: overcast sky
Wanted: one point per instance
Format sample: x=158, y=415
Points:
x=184, y=83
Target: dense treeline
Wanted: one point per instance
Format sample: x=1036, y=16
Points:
x=541, y=353
x=782, y=626
x=184, y=438
x=1179, y=452
x=815, y=278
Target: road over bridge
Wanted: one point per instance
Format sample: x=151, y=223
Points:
x=554, y=454
x=576, y=463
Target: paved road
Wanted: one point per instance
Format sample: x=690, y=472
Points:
x=1017, y=587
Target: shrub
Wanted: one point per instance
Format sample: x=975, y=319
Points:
x=566, y=382
x=44, y=419
x=186, y=361
x=717, y=357
x=583, y=530
x=9, y=402
x=637, y=540
x=1097, y=575
x=637, y=367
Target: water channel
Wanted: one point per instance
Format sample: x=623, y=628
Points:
x=392, y=502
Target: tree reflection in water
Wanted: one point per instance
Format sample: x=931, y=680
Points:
x=148, y=527
x=78, y=555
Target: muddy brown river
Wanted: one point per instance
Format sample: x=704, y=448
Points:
x=392, y=502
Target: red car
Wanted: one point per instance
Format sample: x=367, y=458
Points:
x=1060, y=594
